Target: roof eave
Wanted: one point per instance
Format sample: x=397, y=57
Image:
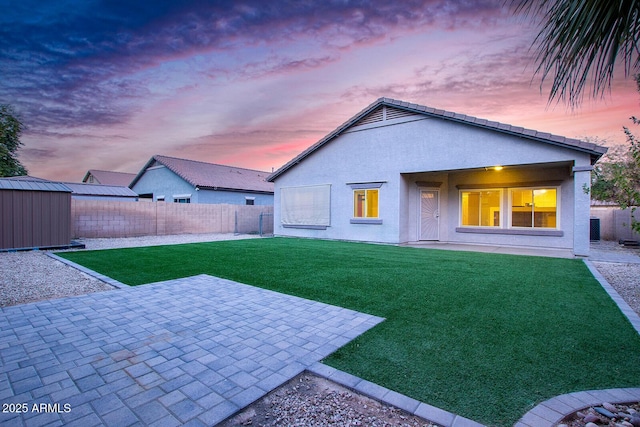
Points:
x=596, y=152
x=235, y=190
x=335, y=133
x=142, y=172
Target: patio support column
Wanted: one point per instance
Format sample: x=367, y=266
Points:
x=582, y=206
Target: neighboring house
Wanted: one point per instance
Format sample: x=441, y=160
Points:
x=400, y=172
x=101, y=192
x=122, y=179
x=176, y=180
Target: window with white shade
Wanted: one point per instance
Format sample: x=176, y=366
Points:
x=307, y=206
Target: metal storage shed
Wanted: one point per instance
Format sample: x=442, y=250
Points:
x=34, y=214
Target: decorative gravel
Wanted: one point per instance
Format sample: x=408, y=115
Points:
x=607, y=414
x=33, y=276
x=625, y=279
x=311, y=401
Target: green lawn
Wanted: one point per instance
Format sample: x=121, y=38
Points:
x=483, y=335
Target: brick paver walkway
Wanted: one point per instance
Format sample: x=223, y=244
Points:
x=187, y=351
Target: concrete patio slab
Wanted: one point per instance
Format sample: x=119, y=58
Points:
x=192, y=350
x=507, y=250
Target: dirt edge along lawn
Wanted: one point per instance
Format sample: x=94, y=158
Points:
x=486, y=336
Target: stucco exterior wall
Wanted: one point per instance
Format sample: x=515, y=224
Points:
x=234, y=197
x=428, y=149
x=160, y=181
x=450, y=188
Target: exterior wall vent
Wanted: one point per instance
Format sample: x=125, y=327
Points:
x=382, y=114
x=375, y=116
x=396, y=113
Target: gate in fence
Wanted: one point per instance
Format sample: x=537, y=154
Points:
x=254, y=223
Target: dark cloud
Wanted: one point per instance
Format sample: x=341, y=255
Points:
x=65, y=63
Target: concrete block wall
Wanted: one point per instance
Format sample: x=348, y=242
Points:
x=96, y=218
x=615, y=223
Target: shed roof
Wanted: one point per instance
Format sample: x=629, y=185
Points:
x=82, y=189
x=596, y=151
x=110, y=177
x=22, y=184
x=211, y=176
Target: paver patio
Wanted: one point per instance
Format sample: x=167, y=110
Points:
x=186, y=351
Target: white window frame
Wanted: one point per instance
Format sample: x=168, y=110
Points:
x=506, y=211
x=359, y=186
x=366, y=203
x=547, y=187
x=178, y=197
x=480, y=190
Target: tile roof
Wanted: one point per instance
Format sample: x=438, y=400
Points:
x=109, y=177
x=212, y=176
x=23, y=184
x=596, y=151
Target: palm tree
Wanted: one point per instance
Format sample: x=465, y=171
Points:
x=581, y=39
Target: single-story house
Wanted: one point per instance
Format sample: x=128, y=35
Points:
x=176, y=180
x=398, y=172
x=121, y=179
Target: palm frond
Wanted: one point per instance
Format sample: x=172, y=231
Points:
x=583, y=40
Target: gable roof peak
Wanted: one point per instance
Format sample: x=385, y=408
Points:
x=596, y=151
x=210, y=175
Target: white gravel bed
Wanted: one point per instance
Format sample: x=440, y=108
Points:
x=33, y=276
x=625, y=279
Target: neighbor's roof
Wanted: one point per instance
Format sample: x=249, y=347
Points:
x=27, y=178
x=37, y=184
x=110, y=177
x=212, y=176
x=596, y=151
x=100, y=190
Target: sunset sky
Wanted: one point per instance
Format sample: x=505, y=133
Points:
x=107, y=84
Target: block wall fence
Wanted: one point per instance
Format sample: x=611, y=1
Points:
x=97, y=218
x=615, y=223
